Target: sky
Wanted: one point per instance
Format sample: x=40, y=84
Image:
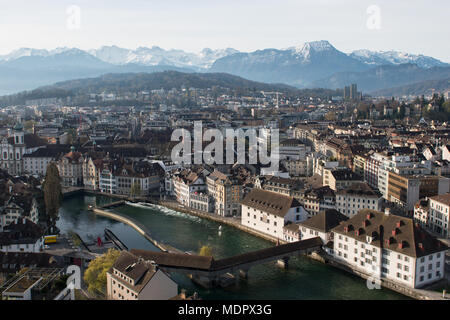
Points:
x=413, y=26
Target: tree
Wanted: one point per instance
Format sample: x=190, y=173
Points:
x=331, y=116
x=95, y=274
x=28, y=125
x=52, y=195
x=205, y=251
x=135, y=189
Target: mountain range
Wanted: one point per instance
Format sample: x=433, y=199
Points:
x=313, y=64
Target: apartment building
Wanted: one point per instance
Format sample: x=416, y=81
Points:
x=91, y=173
x=36, y=163
x=22, y=235
x=18, y=207
x=293, y=149
x=285, y=186
x=318, y=199
x=357, y=197
x=389, y=247
x=438, y=216
x=421, y=212
x=340, y=178
x=226, y=191
x=133, y=278
x=321, y=225
x=407, y=190
x=70, y=168
x=298, y=168
x=186, y=183
x=138, y=178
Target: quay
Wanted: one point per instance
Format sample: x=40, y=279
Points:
x=139, y=227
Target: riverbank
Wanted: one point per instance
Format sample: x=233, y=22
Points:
x=418, y=294
x=234, y=222
x=305, y=279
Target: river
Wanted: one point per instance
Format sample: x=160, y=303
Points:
x=305, y=278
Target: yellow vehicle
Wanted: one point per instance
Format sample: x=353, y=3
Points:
x=50, y=239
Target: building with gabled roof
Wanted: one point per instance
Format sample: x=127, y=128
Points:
x=387, y=246
x=268, y=212
x=321, y=225
x=134, y=278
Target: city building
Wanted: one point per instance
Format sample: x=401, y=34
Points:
x=339, y=179
x=321, y=225
x=438, y=216
x=268, y=212
x=226, y=191
x=386, y=246
x=357, y=197
x=133, y=278
x=70, y=168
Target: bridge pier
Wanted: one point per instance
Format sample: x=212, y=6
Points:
x=206, y=282
x=283, y=263
x=243, y=273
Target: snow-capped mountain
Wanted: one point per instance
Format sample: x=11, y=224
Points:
x=157, y=56
x=304, y=51
x=297, y=66
x=153, y=56
x=305, y=65
x=30, y=52
x=378, y=58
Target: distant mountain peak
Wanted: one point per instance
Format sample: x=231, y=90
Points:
x=392, y=57
x=305, y=50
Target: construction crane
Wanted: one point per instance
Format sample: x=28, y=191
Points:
x=265, y=94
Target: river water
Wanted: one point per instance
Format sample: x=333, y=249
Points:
x=305, y=278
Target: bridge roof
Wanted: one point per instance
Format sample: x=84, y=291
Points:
x=266, y=253
x=177, y=260
x=195, y=262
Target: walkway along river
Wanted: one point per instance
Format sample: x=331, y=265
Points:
x=305, y=278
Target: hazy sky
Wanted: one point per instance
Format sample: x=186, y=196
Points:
x=414, y=26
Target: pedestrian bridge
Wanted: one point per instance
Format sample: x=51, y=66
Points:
x=207, y=271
